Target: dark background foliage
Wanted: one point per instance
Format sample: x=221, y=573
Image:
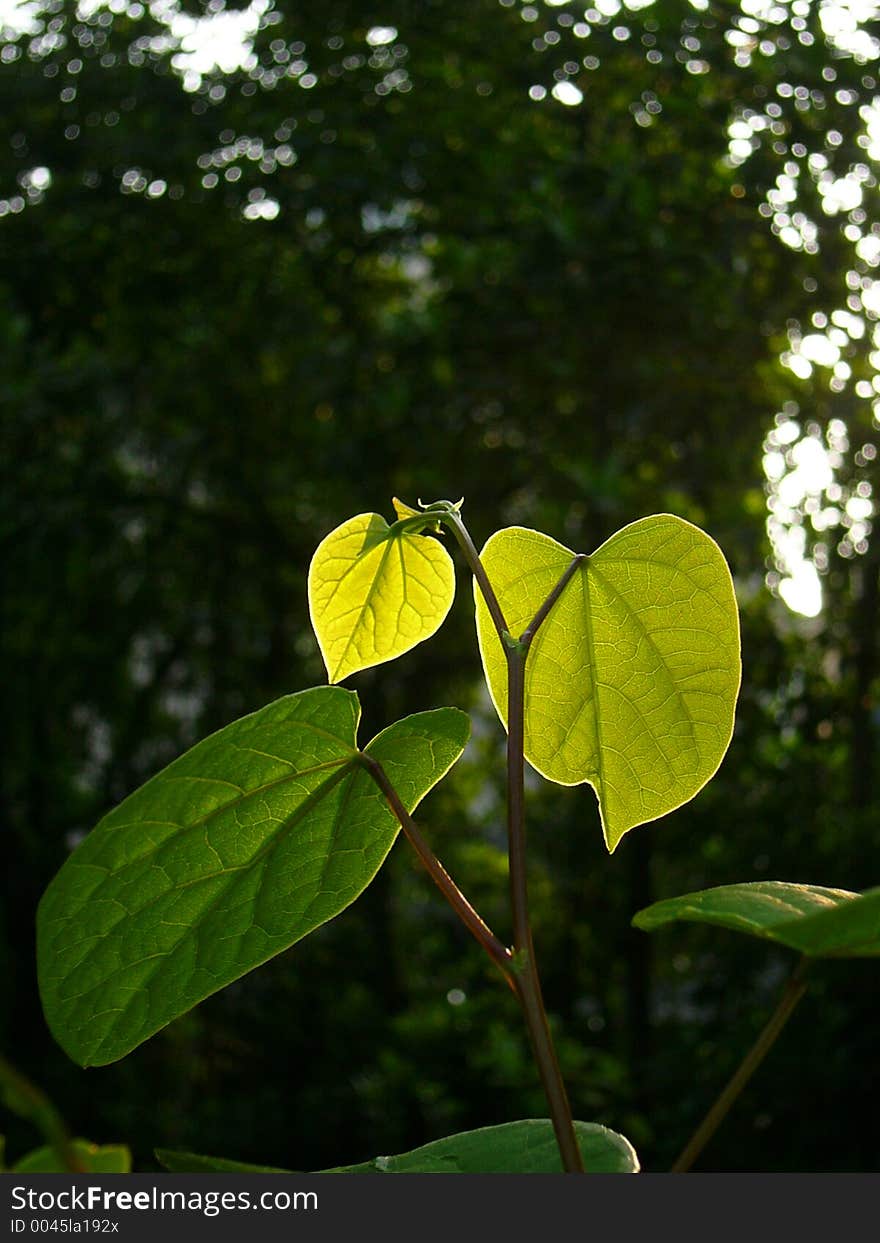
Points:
x=572, y=316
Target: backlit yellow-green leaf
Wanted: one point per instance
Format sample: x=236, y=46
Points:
x=375, y=592
x=631, y=681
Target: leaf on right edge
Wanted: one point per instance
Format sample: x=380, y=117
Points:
x=821, y=923
x=631, y=681
x=527, y=1147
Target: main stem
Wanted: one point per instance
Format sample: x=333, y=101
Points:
x=794, y=991
x=527, y=980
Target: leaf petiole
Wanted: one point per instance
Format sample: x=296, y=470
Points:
x=469, y=916
x=452, y=519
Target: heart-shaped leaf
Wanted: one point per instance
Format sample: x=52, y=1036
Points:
x=241, y=847
x=631, y=681
x=821, y=923
x=527, y=1147
x=109, y=1159
x=375, y=591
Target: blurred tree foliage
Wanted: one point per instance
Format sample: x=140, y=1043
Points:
x=381, y=257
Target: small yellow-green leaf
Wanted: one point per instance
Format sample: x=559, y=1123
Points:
x=106, y=1159
x=631, y=681
x=819, y=922
x=375, y=591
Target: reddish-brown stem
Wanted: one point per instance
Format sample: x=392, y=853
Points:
x=524, y=976
x=794, y=991
x=527, y=979
x=470, y=917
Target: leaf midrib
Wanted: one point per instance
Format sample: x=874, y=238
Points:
x=345, y=767
x=371, y=591
x=202, y=820
x=645, y=632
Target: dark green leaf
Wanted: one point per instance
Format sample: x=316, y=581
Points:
x=238, y=849
x=527, y=1147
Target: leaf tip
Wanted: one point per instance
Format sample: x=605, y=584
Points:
x=611, y=835
x=336, y=671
